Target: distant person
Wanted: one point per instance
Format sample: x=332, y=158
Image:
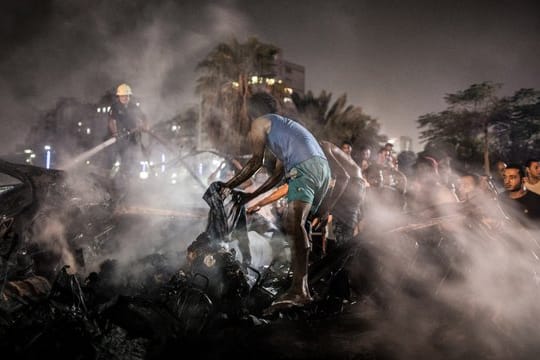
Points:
x=498, y=174
x=346, y=147
x=302, y=161
x=532, y=180
x=365, y=157
x=385, y=156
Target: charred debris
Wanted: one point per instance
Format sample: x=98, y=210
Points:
x=61, y=292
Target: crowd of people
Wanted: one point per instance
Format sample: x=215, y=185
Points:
x=326, y=189
x=330, y=191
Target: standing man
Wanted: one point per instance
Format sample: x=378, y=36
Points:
x=345, y=198
x=302, y=161
x=125, y=122
x=521, y=205
x=532, y=180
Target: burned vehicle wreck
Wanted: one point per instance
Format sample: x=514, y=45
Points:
x=63, y=293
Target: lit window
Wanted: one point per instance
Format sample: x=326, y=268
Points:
x=254, y=79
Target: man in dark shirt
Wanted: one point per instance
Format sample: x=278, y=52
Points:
x=521, y=205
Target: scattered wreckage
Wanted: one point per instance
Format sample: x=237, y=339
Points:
x=50, y=301
x=75, y=301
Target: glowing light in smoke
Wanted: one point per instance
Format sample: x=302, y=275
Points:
x=162, y=163
x=144, y=171
x=48, y=160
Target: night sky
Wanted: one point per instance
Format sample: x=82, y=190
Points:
x=395, y=59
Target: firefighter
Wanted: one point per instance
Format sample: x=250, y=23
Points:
x=125, y=122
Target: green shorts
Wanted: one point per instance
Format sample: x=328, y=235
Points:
x=308, y=182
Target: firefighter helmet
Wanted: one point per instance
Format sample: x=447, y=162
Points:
x=123, y=89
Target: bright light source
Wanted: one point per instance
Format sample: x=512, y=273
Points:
x=288, y=90
x=80, y=123
x=48, y=160
x=98, y=110
x=117, y=163
x=87, y=162
x=287, y=100
x=280, y=81
x=235, y=85
x=32, y=156
x=108, y=108
x=174, y=128
x=88, y=131
x=254, y=79
x=27, y=151
x=173, y=175
x=162, y=163
x=144, y=170
x=47, y=147
x=270, y=81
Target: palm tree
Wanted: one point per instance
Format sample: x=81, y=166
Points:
x=225, y=85
x=338, y=121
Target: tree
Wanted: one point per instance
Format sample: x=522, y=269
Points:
x=338, y=121
x=481, y=125
x=466, y=121
x=518, y=126
x=225, y=85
